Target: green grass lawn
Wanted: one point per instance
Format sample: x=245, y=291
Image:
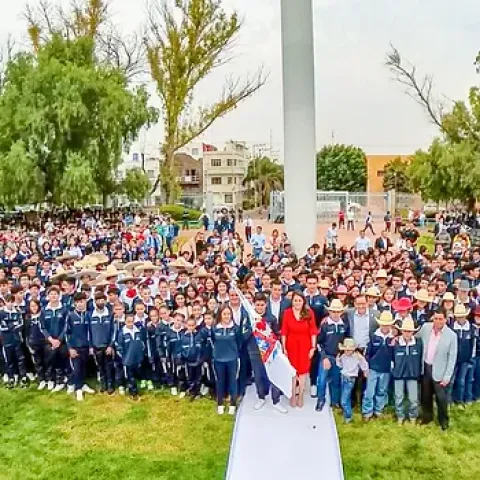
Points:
x=50, y=436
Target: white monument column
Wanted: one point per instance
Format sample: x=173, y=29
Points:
x=299, y=123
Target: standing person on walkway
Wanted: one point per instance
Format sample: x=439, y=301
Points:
x=331, y=238
x=258, y=241
x=248, y=223
x=299, y=340
x=369, y=223
x=439, y=357
x=351, y=219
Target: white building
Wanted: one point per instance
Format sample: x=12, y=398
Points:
x=224, y=172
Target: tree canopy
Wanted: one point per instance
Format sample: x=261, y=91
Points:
x=265, y=176
x=135, y=185
x=342, y=167
x=396, y=176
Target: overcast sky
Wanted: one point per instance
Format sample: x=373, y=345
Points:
x=357, y=102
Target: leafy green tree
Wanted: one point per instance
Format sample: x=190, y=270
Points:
x=21, y=181
x=342, y=167
x=186, y=42
x=135, y=185
x=396, y=177
x=78, y=184
x=265, y=176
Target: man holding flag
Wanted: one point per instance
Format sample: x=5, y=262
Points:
x=272, y=371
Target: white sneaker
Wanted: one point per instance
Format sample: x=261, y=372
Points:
x=5, y=378
x=42, y=385
x=51, y=386
x=231, y=410
x=70, y=389
x=280, y=408
x=313, y=391
x=59, y=387
x=260, y=404
x=204, y=390
x=150, y=385
x=182, y=395
x=220, y=410
x=31, y=376
x=174, y=391
x=121, y=390
x=79, y=396
x=87, y=389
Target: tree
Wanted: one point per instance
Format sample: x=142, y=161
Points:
x=187, y=42
x=342, y=167
x=396, y=177
x=59, y=101
x=135, y=185
x=265, y=176
x=21, y=181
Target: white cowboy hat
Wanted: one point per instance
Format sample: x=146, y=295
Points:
x=408, y=325
x=130, y=266
x=423, y=296
x=111, y=271
x=348, y=344
x=130, y=279
x=386, y=319
x=146, y=266
x=461, y=311
x=336, y=306
x=180, y=264
x=85, y=272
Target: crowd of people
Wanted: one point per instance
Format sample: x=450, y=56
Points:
x=105, y=296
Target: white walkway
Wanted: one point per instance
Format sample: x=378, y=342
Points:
x=266, y=444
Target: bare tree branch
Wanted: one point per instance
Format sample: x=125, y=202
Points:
x=419, y=89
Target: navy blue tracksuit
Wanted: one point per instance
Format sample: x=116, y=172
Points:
x=77, y=338
x=36, y=345
x=101, y=337
x=11, y=325
x=191, y=344
x=131, y=348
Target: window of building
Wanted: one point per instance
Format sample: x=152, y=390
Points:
x=228, y=198
x=230, y=180
x=380, y=173
x=135, y=157
x=151, y=173
x=216, y=180
x=193, y=172
x=195, y=152
x=216, y=162
x=158, y=200
x=231, y=162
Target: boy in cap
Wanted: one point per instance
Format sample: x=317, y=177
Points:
x=350, y=363
x=379, y=359
x=407, y=369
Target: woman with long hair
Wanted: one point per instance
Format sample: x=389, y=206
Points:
x=299, y=340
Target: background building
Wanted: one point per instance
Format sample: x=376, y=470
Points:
x=376, y=169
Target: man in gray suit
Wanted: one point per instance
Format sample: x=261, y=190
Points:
x=439, y=357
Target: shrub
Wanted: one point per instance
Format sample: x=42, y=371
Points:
x=176, y=212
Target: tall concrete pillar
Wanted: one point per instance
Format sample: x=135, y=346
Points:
x=299, y=122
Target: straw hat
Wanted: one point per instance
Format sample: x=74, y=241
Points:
x=100, y=281
x=59, y=273
x=408, y=325
x=131, y=266
x=348, y=344
x=464, y=286
x=461, y=311
x=119, y=264
x=381, y=274
x=402, y=305
x=180, y=264
x=129, y=278
x=386, y=319
x=66, y=257
x=423, y=296
x=99, y=257
x=87, y=262
x=336, y=306
x=324, y=285
x=201, y=273
x=86, y=272
x=372, y=292
x=146, y=266
x=449, y=297
x=111, y=271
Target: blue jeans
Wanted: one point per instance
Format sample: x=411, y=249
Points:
x=476, y=378
x=375, y=396
x=331, y=378
x=463, y=383
x=347, y=386
x=411, y=387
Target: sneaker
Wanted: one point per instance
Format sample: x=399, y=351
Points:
x=31, y=376
x=280, y=408
x=400, y=422
x=174, y=391
x=121, y=390
x=182, y=395
x=50, y=386
x=232, y=410
x=11, y=384
x=87, y=389
x=413, y=421
x=143, y=384
x=42, y=385
x=221, y=410
x=313, y=391
x=319, y=406
x=203, y=390
x=150, y=385
x=5, y=378
x=347, y=420
x=24, y=382
x=70, y=389
x=134, y=397
x=260, y=404
x=59, y=387
x=79, y=395
x=110, y=390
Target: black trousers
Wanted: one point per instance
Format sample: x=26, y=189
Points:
x=132, y=374
x=55, y=363
x=430, y=388
x=194, y=379
x=105, y=367
x=15, y=361
x=79, y=368
x=39, y=361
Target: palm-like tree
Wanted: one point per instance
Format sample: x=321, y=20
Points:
x=264, y=176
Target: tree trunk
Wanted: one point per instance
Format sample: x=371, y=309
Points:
x=471, y=204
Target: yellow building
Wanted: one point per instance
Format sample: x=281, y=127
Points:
x=376, y=169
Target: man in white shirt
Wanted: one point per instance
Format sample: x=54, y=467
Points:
x=362, y=243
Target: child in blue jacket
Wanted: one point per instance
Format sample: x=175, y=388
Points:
x=208, y=375
x=191, y=344
x=131, y=348
x=174, y=346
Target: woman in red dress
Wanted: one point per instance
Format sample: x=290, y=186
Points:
x=299, y=340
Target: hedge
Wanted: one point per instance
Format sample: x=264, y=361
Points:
x=176, y=212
